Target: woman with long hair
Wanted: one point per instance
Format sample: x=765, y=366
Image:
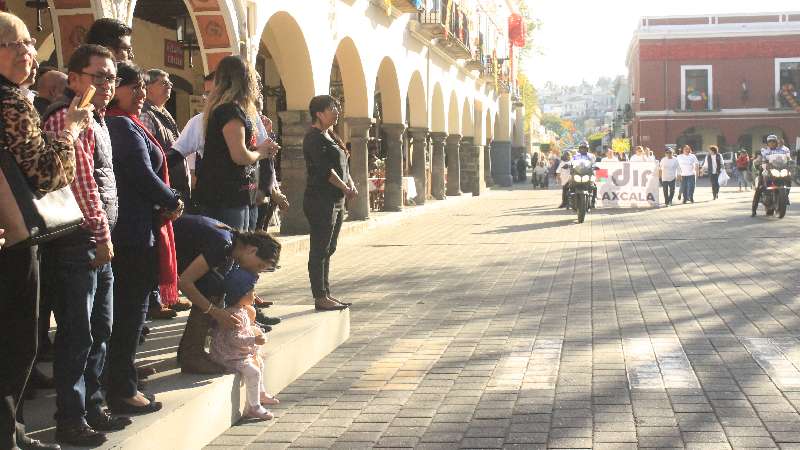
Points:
x=226, y=178
x=143, y=238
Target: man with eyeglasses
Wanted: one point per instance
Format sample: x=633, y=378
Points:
x=76, y=269
x=113, y=35
x=160, y=123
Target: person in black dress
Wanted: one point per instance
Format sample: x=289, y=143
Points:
x=328, y=184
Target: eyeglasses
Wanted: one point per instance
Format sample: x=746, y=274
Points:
x=27, y=44
x=99, y=79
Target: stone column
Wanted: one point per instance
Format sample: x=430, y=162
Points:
x=358, y=208
x=487, y=161
x=393, y=197
x=453, y=150
x=471, y=167
x=419, y=143
x=437, y=165
x=501, y=163
x=295, y=124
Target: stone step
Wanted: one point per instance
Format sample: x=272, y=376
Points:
x=198, y=408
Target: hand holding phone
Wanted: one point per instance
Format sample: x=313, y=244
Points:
x=87, y=96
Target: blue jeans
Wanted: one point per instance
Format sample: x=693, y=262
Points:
x=82, y=305
x=244, y=218
x=687, y=188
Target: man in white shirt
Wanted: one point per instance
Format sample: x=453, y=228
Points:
x=688, y=168
x=668, y=172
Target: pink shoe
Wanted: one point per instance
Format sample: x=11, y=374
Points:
x=267, y=399
x=257, y=413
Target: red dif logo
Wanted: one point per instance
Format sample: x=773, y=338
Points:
x=602, y=175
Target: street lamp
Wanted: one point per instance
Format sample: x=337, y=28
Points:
x=39, y=5
x=186, y=36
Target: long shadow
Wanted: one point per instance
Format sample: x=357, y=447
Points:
x=530, y=227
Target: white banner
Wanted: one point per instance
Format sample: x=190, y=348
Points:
x=622, y=184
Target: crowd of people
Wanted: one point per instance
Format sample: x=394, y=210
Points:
x=166, y=212
x=676, y=169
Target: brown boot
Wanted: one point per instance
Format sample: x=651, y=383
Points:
x=161, y=314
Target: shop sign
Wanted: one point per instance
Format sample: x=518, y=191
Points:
x=173, y=54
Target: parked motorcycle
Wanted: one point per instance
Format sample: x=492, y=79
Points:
x=581, y=194
x=777, y=181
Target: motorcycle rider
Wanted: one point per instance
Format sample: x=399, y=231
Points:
x=772, y=148
x=582, y=155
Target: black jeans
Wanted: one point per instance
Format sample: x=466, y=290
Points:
x=714, y=177
x=669, y=191
x=19, y=312
x=325, y=218
x=135, y=276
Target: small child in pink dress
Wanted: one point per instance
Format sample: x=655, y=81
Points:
x=237, y=349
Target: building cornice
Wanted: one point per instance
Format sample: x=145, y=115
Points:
x=719, y=114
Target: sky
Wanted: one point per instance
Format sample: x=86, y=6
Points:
x=585, y=39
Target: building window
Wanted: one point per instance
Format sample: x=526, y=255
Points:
x=696, y=83
x=787, y=83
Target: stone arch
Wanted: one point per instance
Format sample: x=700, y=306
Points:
x=753, y=138
x=390, y=92
x=700, y=138
x=438, y=123
x=467, y=119
x=417, y=101
x=353, y=79
x=286, y=42
x=454, y=115
x=479, y=135
x=214, y=22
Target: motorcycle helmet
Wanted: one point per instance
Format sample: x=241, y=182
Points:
x=772, y=137
x=583, y=145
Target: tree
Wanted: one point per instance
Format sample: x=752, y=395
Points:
x=553, y=123
x=530, y=98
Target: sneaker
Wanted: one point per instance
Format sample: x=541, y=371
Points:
x=106, y=422
x=263, y=319
x=80, y=436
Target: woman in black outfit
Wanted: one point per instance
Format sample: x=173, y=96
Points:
x=328, y=184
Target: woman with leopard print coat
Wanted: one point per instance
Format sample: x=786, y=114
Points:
x=48, y=162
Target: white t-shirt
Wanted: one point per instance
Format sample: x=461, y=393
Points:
x=192, y=139
x=638, y=158
x=564, y=170
x=669, y=168
x=688, y=164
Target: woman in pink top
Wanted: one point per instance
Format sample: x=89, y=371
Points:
x=237, y=349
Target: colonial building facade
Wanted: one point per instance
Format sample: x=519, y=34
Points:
x=432, y=80
x=726, y=80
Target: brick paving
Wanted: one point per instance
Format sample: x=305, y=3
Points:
x=501, y=323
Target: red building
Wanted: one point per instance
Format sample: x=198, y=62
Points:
x=726, y=80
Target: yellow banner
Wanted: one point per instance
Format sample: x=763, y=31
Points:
x=620, y=145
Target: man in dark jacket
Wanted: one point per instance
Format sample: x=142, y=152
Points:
x=77, y=274
x=714, y=165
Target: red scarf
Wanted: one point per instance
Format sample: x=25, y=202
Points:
x=167, y=264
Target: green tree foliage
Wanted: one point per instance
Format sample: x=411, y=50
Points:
x=530, y=98
x=553, y=123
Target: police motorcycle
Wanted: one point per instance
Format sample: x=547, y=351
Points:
x=582, y=187
x=776, y=181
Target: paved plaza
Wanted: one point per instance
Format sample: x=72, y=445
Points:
x=499, y=322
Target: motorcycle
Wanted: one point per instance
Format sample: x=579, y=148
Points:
x=582, y=190
x=777, y=180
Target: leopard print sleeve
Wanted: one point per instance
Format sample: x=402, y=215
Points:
x=48, y=162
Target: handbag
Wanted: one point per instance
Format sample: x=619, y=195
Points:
x=28, y=217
